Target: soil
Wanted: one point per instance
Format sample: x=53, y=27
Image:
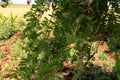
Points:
x=7, y=49
x=69, y=68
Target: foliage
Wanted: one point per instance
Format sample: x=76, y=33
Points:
x=2, y=54
x=102, y=56
x=11, y=50
x=28, y=2
x=17, y=52
x=118, y=66
x=8, y=26
x=66, y=31
x=5, y=3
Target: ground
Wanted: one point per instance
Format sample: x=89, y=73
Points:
x=7, y=48
x=15, y=10
x=7, y=60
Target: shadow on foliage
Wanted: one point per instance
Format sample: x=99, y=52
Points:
x=91, y=72
x=95, y=72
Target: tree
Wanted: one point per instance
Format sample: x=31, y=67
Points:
x=28, y=2
x=66, y=32
x=4, y=3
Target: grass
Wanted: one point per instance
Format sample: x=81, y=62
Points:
x=18, y=10
x=9, y=25
x=102, y=56
x=2, y=54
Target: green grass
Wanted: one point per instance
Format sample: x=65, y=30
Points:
x=102, y=56
x=2, y=54
x=9, y=25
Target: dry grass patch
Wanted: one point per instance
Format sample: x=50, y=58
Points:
x=16, y=10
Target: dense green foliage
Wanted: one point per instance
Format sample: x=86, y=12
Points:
x=66, y=34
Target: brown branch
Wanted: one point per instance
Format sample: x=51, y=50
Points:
x=91, y=56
